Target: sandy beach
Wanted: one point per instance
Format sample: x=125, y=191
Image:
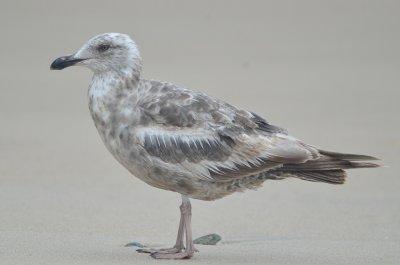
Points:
x=328, y=71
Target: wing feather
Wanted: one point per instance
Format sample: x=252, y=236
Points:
x=209, y=138
x=212, y=155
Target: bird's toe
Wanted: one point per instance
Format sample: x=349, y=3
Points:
x=179, y=255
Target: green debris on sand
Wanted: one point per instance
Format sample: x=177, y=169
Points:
x=211, y=239
x=135, y=244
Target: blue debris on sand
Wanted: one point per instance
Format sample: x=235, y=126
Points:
x=211, y=239
x=135, y=244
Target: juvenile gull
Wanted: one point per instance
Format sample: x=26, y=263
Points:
x=188, y=142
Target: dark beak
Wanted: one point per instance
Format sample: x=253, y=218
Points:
x=63, y=62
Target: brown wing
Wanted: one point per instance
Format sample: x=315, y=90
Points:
x=211, y=139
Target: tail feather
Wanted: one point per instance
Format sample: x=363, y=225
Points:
x=337, y=176
x=328, y=168
x=327, y=163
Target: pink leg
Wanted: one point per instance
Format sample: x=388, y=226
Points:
x=188, y=230
x=186, y=214
x=178, y=247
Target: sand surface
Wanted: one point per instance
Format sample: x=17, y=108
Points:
x=326, y=70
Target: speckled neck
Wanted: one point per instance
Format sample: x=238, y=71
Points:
x=113, y=82
x=105, y=92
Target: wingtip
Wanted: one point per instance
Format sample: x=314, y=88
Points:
x=364, y=165
x=372, y=158
x=350, y=157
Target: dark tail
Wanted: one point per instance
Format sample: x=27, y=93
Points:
x=330, y=168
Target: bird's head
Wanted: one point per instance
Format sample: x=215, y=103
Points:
x=109, y=52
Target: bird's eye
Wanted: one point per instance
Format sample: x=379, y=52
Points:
x=103, y=47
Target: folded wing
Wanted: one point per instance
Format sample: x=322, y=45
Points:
x=211, y=139
x=222, y=154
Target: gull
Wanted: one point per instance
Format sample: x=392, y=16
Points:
x=188, y=142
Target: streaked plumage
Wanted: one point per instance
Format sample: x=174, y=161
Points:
x=199, y=146
x=185, y=141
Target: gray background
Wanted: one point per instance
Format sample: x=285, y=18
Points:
x=326, y=70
